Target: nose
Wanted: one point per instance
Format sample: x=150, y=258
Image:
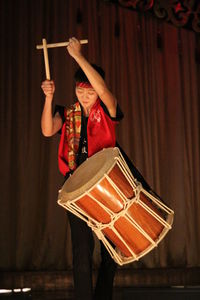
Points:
x=85, y=95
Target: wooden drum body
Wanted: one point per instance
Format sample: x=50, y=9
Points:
x=104, y=193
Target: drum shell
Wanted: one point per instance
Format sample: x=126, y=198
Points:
x=118, y=209
x=108, y=196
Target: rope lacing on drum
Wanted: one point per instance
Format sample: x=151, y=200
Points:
x=96, y=226
x=99, y=227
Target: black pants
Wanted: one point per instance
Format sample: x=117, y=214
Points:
x=82, y=248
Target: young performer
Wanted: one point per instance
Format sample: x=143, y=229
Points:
x=86, y=128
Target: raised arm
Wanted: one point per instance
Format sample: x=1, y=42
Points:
x=49, y=124
x=97, y=82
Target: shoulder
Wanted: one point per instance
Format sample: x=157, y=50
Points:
x=73, y=111
x=65, y=111
x=119, y=113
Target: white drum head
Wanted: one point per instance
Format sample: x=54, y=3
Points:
x=88, y=174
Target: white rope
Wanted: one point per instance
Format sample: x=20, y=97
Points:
x=154, y=214
x=109, y=211
x=99, y=227
x=158, y=202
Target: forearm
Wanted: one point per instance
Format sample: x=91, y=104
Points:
x=98, y=84
x=47, y=118
x=95, y=79
x=93, y=76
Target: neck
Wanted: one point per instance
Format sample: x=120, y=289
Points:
x=86, y=112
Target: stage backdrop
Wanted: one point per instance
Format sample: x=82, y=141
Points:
x=153, y=69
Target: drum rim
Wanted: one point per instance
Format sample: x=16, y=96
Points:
x=86, y=187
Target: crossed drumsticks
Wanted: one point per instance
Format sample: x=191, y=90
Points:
x=44, y=46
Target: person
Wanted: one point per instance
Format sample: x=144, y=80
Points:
x=86, y=128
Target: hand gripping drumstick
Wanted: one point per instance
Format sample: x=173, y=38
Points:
x=44, y=46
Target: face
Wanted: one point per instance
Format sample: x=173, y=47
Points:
x=87, y=97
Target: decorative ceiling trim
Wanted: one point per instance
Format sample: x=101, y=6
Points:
x=185, y=13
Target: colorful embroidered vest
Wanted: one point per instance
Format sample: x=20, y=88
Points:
x=100, y=134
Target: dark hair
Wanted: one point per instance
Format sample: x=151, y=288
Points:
x=80, y=76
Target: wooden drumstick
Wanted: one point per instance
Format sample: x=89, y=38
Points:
x=62, y=44
x=46, y=59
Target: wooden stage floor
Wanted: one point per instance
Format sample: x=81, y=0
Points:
x=175, y=293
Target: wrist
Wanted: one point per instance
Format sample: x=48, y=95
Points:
x=78, y=57
x=49, y=98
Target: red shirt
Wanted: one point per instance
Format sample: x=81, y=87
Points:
x=100, y=133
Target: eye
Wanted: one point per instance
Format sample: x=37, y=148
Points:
x=79, y=91
x=91, y=92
